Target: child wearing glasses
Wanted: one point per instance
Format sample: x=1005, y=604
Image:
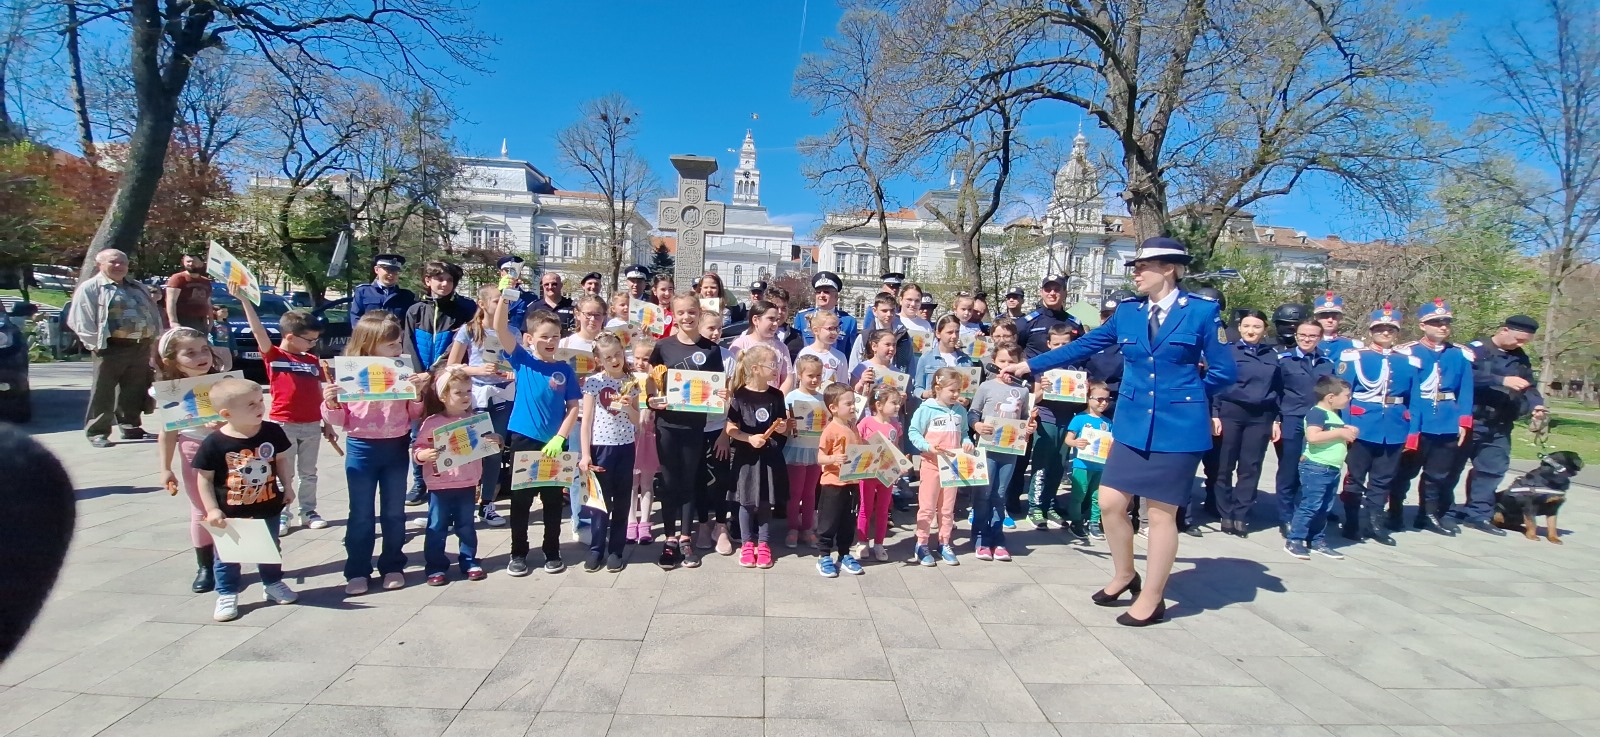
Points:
x=1086, y=471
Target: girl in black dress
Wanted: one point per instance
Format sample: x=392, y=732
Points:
x=756, y=412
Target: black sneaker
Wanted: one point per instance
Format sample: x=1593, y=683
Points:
x=1323, y=549
x=134, y=433
x=613, y=563
x=1484, y=526
x=416, y=497
x=1078, y=530
x=592, y=564
x=518, y=566
x=669, y=556
x=553, y=564
x=1297, y=548
x=687, y=556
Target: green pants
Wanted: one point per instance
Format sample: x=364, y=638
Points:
x=1086, y=494
x=1050, y=459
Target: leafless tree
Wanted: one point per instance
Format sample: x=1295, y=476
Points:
x=599, y=145
x=21, y=22
x=212, y=112
x=383, y=39
x=1547, y=74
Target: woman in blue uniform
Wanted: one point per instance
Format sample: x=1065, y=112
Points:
x=1163, y=422
x=1245, y=419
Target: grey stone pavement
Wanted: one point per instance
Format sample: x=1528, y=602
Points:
x=1439, y=636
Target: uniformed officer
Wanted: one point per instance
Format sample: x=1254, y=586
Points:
x=928, y=306
x=1383, y=389
x=1329, y=310
x=1246, y=418
x=892, y=282
x=1211, y=463
x=826, y=286
x=1013, y=305
x=1286, y=322
x=591, y=283
x=758, y=289
x=1444, y=403
x=553, y=299
x=638, y=281
x=1503, y=391
x=384, y=291
x=1033, y=330
x=1300, y=365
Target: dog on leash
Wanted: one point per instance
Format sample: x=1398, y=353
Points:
x=1541, y=491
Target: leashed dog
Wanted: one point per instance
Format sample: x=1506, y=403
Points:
x=1541, y=491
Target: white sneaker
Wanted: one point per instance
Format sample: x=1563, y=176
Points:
x=314, y=521
x=283, y=524
x=227, y=608
x=880, y=552
x=280, y=593
x=417, y=523
x=862, y=550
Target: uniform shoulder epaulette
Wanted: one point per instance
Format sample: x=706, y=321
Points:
x=1357, y=343
x=1350, y=354
x=1415, y=361
x=1405, y=348
x=1134, y=298
x=1468, y=352
x=1032, y=316
x=1205, y=297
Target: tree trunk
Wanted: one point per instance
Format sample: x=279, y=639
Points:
x=883, y=228
x=1146, y=205
x=80, y=103
x=124, y=222
x=1555, y=275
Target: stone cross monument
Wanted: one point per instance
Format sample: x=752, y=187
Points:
x=691, y=216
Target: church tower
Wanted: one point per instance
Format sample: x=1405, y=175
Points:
x=1077, y=202
x=747, y=178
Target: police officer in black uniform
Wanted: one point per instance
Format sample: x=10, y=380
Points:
x=1211, y=462
x=1504, y=390
x=1286, y=321
x=384, y=291
x=1033, y=330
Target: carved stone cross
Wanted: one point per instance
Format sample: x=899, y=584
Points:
x=692, y=217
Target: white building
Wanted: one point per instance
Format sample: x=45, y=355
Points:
x=750, y=246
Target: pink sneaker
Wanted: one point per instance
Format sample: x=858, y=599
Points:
x=632, y=535
x=763, y=556
x=1001, y=554
x=644, y=534
x=984, y=553
x=747, y=555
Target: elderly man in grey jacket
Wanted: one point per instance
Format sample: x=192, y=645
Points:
x=118, y=321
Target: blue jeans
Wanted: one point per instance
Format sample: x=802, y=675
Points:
x=376, y=470
x=1318, y=484
x=450, y=510
x=989, y=504
x=227, y=574
x=500, y=415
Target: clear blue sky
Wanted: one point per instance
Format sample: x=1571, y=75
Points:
x=553, y=56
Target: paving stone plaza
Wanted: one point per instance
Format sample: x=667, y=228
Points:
x=1472, y=635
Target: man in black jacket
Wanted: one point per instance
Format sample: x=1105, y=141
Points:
x=1504, y=390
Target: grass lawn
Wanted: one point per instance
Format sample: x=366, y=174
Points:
x=43, y=296
x=1575, y=433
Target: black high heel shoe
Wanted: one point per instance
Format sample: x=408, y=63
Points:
x=1103, y=598
x=1159, y=615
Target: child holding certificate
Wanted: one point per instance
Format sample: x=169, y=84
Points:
x=837, y=498
x=937, y=430
x=453, y=492
x=1086, y=468
x=755, y=414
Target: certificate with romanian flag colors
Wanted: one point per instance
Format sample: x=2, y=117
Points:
x=695, y=391
x=1009, y=436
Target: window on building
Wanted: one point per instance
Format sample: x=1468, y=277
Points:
x=569, y=246
x=544, y=244
x=863, y=263
x=841, y=261
x=1110, y=266
x=711, y=268
x=591, y=244
x=1077, y=264
x=738, y=275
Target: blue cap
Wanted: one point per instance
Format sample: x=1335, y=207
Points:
x=1328, y=302
x=1385, y=315
x=1435, y=310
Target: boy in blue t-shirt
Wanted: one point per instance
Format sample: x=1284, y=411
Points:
x=1086, y=473
x=543, y=412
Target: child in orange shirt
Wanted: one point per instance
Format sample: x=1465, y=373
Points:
x=837, y=500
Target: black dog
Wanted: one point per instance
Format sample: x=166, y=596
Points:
x=1541, y=491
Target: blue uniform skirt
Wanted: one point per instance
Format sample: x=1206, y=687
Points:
x=1162, y=477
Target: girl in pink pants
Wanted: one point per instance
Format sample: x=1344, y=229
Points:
x=872, y=522
x=186, y=353
x=800, y=453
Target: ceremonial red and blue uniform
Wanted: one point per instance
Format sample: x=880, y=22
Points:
x=1443, y=409
x=1383, y=389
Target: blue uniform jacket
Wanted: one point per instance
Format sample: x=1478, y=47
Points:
x=1383, y=394
x=1300, y=373
x=847, y=329
x=1033, y=331
x=371, y=296
x=1444, y=394
x=1162, y=384
x=1259, y=386
x=1493, y=404
x=1334, y=347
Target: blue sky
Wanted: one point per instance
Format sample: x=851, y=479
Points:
x=698, y=71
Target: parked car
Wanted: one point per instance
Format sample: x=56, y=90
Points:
x=16, y=399
x=246, y=354
x=335, y=317
x=62, y=278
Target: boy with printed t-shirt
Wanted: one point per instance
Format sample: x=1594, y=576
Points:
x=241, y=468
x=295, y=375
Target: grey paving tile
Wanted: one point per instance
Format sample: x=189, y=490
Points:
x=691, y=694
x=99, y=663
x=281, y=683
x=311, y=635
x=1260, y=730
x=1516, y=637
x=1230, y=705
x=463, y=637
x=576, y=613
x=883, y=581
x=703, y=643
x=1384, y=662
x=826, y=698
x=181, y=718
x=1058, y=654
x=324, y=720
x=1359, y=730
x=948, y=729
x=900, y=623
x=1102, y=704
x=403, y=686
x=1020, y=729
x=630, y=725
x=953, y=625
x=31, y=659
x=1330, y=693
x=490, y=724
x=1171, y=657
x=780, y=727
x=1558, y=703
x=524, y=676
x=168, y=666
x=1239, y=632
x=815, y=597
x=594, y=677
x=1009, y=603
x=1461, y=707
x=1559, y=615
x=571, y=724
x=990, y=690
x=83, y=716
x=824, y=648
x=18, y=706
x=499, y=591
x=1129, y=730
x=732, y=594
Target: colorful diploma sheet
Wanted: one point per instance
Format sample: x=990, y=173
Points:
x=695, y=391
x=650, y=318
x=978, y=346
x=809, y=418
x=920, y=340
x=372, y=378
x=1066, y=385
x=892, y=379
x=971, y=377
x=530, y=468
x=895, y=463
x=1099, y=447
x=182, y=403
x=862, y=462
x=583, y=362
x=224, y=267
x=1009, y=437
x=464, y=440
x=964, y=469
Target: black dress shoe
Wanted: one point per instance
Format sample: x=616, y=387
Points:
x=134, y=433
x=204, y=581
x=1193, y=531
x=1106, y=598
x=1484, y=526
x=1449, y=524
x=1159, y=615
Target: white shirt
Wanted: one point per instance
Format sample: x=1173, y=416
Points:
x=1166, y=306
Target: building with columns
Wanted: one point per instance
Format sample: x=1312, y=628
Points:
x=750, y=246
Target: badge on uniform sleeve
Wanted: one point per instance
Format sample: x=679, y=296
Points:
x=1222, y=334
x=1342, y=367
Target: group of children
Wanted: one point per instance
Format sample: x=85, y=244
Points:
x=724, y=475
